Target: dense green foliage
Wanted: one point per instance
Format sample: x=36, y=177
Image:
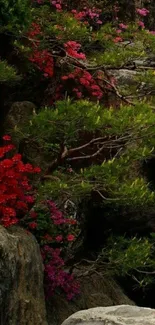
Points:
x=129, y=132
x=7, y=73
x=15, y=15
x=91, y=132
x=134, y=257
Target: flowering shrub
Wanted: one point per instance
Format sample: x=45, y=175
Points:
x=81, y=84
x=56, y=278
x=16, y=195
x=72, y=49
x=55, y=233
x=57, y=4
x=47, y=223
x=89, y=16
x=42, y=58
x=44, y=61
x=142, y=12
x=77, y=49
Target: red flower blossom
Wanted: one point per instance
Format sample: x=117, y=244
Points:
x=47, y=237
x=33, y=214
x=6, y=137
x=59, y=238
x=14, y=186
x=72, y=49
x=70, y=237
x=32, y=225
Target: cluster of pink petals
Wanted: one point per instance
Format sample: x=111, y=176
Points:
x=117, y=39
x=57, y=4
x=87, y=14
x=142, y=12
x=123, y=26
x=72, y=49
x=56, y=278
x=141, y=24
x=84, y=82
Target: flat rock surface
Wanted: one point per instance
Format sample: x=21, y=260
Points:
x=115, y=315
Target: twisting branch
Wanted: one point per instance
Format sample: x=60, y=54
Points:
x=87, y=156
x=65, y=153
x=114, y=90
x=86, y=144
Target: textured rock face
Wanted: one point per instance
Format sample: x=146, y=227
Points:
x=115, y=315
x=19, y=114
x=96, y=290
x=124, y=76
x=21, y=279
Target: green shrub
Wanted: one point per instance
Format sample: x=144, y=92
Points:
x=15, y=14
x=127, y=132
x=133, y=257
x=7, y=73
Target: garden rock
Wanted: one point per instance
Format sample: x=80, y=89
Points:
x=124, y=76
x=18, y=118
x=115, y=315
x=96, y=290
x=21, y=279
x=19, y=115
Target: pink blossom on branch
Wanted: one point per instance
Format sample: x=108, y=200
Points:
x=72, y=49
x=141, y=24
x=142, y=12
x=123, y=26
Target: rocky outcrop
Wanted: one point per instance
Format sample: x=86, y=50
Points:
x=21, y=279
x=18, y=118
x=96, y=290
x=115, y=315
x=19, y=115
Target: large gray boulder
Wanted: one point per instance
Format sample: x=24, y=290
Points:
x=21, y=279
x=115, y=315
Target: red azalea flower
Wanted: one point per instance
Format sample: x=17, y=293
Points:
x=32, y=225
x=6, y=137
x=70, y=237
x=59, y=238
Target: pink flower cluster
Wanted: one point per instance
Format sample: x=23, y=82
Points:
x=55, y=277
x=88, y=15
x=142, y=12
x=53, y=232
x=57, y=4
x=55, y=218
x=44, y=61
x=123, y=26
x=141, y=24
x=117, y=39
x=72, y=49
x=83, y=81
